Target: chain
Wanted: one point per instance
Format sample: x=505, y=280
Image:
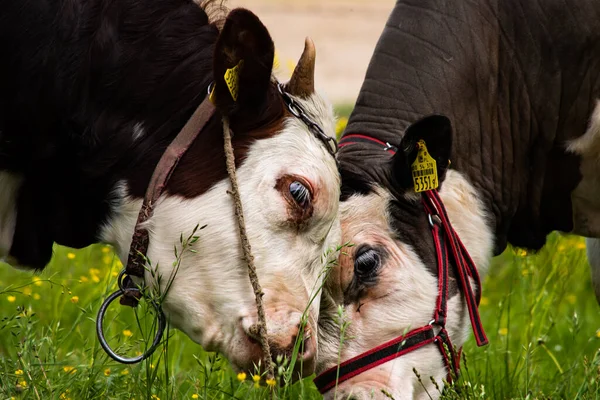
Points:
x=298, y=111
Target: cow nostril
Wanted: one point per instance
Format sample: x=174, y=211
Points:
x=253, y=333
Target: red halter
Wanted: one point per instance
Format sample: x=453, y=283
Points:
x=447, y=243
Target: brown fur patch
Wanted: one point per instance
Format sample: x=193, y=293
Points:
x=204, y=163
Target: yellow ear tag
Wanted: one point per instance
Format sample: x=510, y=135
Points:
x=424, y=170
x=231, y=79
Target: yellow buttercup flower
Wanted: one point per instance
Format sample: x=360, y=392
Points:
x=127, y=333
x=23, y=383
x=69, y=369
x=27, y=291
x=75, y=299
x=37, y=281
x=195, y=396
x=503, y=331
x=71, y=256
x=36, y=296
x=11, y=299
x=241, y=376
x=154, y=397
x=125, y=372
x=271, y=382
x=106, y=249
x=83, y=278
x=19, y=372
x=95, y=278
x=598, y=333
x=107, y=259
x=107, y=372
x=256, y=378
x=580, y=245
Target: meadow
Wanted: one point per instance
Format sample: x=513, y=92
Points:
x=539, y=312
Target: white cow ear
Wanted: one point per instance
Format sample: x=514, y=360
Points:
x=242, y=65
x=436, y=132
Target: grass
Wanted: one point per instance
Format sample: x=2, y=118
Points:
x=539, y=312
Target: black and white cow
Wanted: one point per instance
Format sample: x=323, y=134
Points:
x=519, y=80
x=92, y=92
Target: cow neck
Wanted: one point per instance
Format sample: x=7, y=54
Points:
x=136, y=260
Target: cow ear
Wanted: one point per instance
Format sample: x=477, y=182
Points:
x=436, y=132
x=242, y=64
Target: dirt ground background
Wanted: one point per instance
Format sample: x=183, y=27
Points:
x=344, y=31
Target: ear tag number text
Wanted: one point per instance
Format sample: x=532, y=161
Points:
x=424, y=170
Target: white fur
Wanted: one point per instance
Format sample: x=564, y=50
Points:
x=138, y=131
x=586, y=196
x=404, y=298
x=9, y=189
x=211, y=292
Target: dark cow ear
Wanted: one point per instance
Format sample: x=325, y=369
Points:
x=436, y=132
x=242, y=65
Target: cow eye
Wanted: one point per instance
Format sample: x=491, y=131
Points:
x=300, y=194
x=366, y=262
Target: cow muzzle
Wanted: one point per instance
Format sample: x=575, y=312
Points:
x=285, y=330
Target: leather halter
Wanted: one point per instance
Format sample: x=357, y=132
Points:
x=447, y=244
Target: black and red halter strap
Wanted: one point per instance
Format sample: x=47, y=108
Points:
x=356, y=138
x=447, y=243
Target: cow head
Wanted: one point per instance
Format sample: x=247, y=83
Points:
x=386, y=282
x=289, y=187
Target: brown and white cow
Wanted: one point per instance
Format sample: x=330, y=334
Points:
x=520, y=81
x=92, y=92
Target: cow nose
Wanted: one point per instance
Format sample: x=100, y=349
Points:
x=283, y=329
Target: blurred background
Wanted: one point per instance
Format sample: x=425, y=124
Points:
x=344, y=31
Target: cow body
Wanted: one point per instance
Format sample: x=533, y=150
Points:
x=520, y=81
x=91, y=94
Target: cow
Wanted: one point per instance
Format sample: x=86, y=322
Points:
x=91, y=94
x=503, y=96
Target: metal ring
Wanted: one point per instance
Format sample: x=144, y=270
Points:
x=162, y=323
x=430, y=220
x=433, y=219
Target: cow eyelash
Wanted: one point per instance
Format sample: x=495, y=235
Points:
x=300, y=194
x=366, y=262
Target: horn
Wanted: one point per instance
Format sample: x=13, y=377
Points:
x=302, y=82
